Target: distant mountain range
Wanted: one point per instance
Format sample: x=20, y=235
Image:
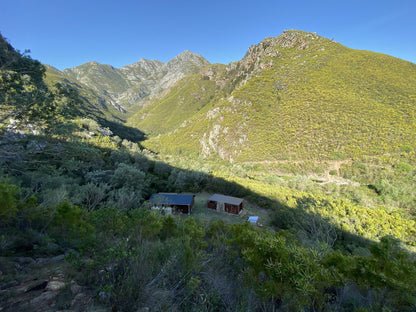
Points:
x=129, y=87
x=295, y=96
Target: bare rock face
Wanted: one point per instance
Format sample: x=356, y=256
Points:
x=140, y=71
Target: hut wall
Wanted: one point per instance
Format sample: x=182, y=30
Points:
x=212, y=205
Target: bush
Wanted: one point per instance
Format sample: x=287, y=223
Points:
x=406, y=148
x=404, y=167
x=129, y=178
x=8, y=202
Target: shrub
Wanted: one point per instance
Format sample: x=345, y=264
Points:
x=406, y=148
x=403, y=166
x=8, y=202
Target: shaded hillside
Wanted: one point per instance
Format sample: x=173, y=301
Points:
x=77, y=234
x=298, y=96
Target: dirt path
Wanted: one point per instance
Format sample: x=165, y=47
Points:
x=332, y=166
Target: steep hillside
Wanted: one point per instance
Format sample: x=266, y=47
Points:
x=77, y=233
x=101, y=77
x=297, y=96
x=181, y=103
x=102, y=104
x=132, y=85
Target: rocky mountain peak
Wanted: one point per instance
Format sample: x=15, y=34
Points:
x=263, y=55
x=140, y=70
x=144, y=63
x=132, y=85
x=187, y=59
x=186, y=63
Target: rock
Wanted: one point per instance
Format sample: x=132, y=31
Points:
x=105, y=131
x=58, y=258
x=45, y=298
x=24, y=260
x=81, y=302
x=55, y=285
x=50, y=260
x=75, y=288
x=21, y=263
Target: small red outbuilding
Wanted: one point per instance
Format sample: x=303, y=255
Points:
x=225, y=203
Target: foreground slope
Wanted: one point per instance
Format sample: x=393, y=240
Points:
x=296, y=96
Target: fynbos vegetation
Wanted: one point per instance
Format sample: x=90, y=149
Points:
x=322, y=143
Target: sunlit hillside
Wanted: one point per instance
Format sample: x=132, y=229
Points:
x=301, y=97
x=314, y=139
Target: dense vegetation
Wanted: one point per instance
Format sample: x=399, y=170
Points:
x=309, y=99
x=78, y=185
x=179, y=105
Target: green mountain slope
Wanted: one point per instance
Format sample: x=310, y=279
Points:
x=181, y=103
x=297, y=96
x=77, y=234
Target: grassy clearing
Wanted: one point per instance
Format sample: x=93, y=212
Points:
x=202, y=213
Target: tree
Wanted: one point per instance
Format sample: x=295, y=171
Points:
x=23, y=93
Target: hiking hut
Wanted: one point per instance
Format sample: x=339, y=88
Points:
x=179, y=202
x=225, y=203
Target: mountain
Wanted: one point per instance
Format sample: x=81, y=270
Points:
x=93, y=100
x=132, y=85
x=295, y=96
x=77, y=234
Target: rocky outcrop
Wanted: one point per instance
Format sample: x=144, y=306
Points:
x=263, y=55
x=41, y=286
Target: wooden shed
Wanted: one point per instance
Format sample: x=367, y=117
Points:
x=225, y=203
x=180, y=202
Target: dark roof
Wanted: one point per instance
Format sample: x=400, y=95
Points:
x=226, y=199
x=171, y=199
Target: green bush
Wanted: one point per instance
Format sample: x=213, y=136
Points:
x=8, y=202
x=403, y=166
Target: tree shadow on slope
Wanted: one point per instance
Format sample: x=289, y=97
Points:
x=320, y=258
x=125, y=132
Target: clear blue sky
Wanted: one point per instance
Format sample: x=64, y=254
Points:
x=67, y=33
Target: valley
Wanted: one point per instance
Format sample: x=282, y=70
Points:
x=317, y=138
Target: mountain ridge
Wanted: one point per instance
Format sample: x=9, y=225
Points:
x=78, y=234
x=296, y=96
x=131, y=85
